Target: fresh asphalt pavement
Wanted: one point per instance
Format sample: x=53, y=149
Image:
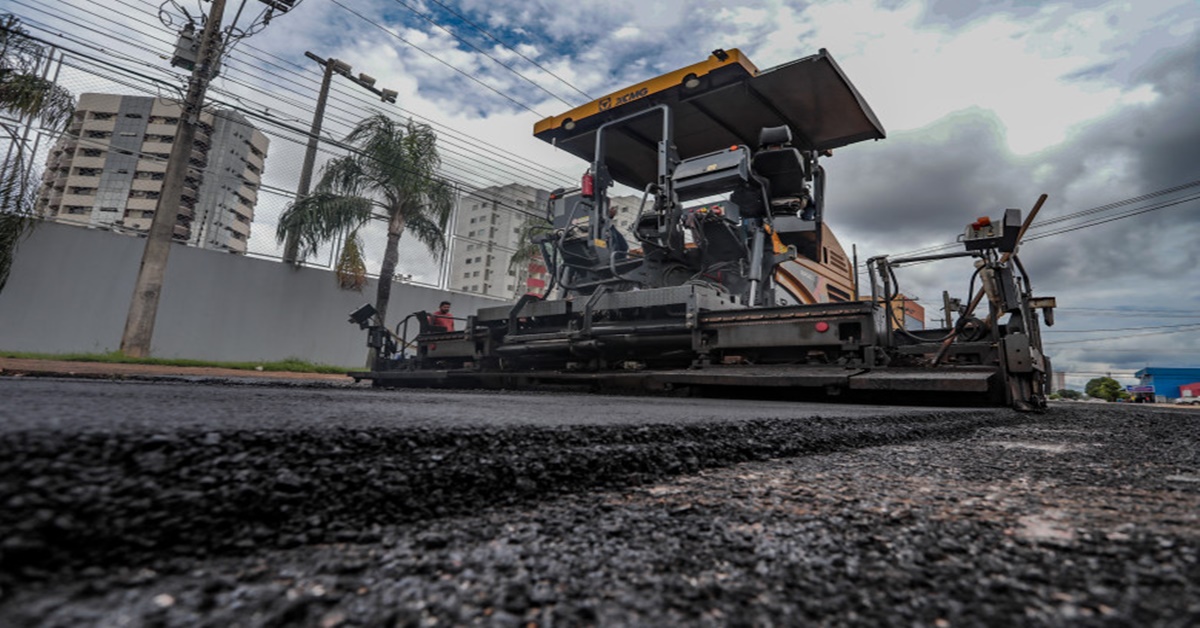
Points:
x=208, y=503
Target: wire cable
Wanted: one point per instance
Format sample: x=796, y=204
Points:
x=438, y=59
x=510, y=48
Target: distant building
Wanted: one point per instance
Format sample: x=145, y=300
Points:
x=911, y=312
x=108, y=170
x=1167, y=381
x=488, y=230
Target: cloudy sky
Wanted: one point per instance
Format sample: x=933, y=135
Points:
x=986, y=105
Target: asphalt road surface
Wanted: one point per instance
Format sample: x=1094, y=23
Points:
x=180, y=504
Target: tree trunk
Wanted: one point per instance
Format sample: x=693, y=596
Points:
x=387, y=270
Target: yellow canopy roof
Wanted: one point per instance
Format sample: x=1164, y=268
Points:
x=722, y=101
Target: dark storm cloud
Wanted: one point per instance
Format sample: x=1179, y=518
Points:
x=922, y=187
x=1167, y=136
x=939, y=177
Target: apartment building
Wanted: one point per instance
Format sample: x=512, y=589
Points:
x=488, y=230
x=108, y=170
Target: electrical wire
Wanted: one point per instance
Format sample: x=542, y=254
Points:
x=510, y=48
x=463, y=184
x=1075, y=215
x=481, y=51
x=438, y=59
x=1117, y=329
x=1191, y=328
x=556, y=183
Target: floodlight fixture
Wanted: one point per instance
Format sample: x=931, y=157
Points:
x=282, y=6
x=363, y=315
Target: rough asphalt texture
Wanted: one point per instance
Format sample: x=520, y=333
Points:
x=181, y=504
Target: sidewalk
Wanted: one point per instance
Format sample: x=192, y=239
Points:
x=14, y=367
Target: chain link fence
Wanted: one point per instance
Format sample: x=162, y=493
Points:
x=105, y=171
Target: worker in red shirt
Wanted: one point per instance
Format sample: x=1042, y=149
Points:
x=441, y=319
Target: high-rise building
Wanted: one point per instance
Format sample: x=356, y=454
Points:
x=489, y=230
x=108, y=169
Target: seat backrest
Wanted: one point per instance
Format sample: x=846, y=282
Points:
x=779, y=163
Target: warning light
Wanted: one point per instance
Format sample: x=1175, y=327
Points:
x=822, y=326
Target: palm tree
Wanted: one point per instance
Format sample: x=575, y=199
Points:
x=527, y=251
x=23, y=95
x=393, y=171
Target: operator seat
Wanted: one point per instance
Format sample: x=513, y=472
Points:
x=783, y=167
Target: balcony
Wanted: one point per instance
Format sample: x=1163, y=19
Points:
x=81, y=219
x=146, y=185
x=156, y=147
x=152, y=165
x=88, y=162
x=78, y=199
x=251, y=176
x=239, y=227
x=99, y=125
x=141, y=204
x=161, y=129
x=83, y=181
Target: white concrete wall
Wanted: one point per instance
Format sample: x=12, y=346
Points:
x=70, y=288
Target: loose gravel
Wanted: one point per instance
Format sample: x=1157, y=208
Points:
x=1085, y=515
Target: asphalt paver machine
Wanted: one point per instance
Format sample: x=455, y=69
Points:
x=732, y=282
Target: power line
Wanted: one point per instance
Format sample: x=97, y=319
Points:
x=249, y=86
x=1190, y=328
x=463, y=184
x=518, y=172
x=1117, y=329
x=1129, y=214
x=438, y=59
x=510, y=48
x=481, y=51
x=1133, y=312
x=1077, y=214
x=303, y=133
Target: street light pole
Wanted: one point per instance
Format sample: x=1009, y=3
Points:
x=291, y=248
x=139, y=324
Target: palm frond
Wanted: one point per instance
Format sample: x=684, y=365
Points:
x=321, y=217
x=344, y=176
x=429, y=233
x=29, y=95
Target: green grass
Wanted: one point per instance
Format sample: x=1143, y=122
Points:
x=293, y=365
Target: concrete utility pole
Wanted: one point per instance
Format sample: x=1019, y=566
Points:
x=291, y=247
x=139, y=325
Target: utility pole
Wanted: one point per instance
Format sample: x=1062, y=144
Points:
x=139, y=324
x=291, y=247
